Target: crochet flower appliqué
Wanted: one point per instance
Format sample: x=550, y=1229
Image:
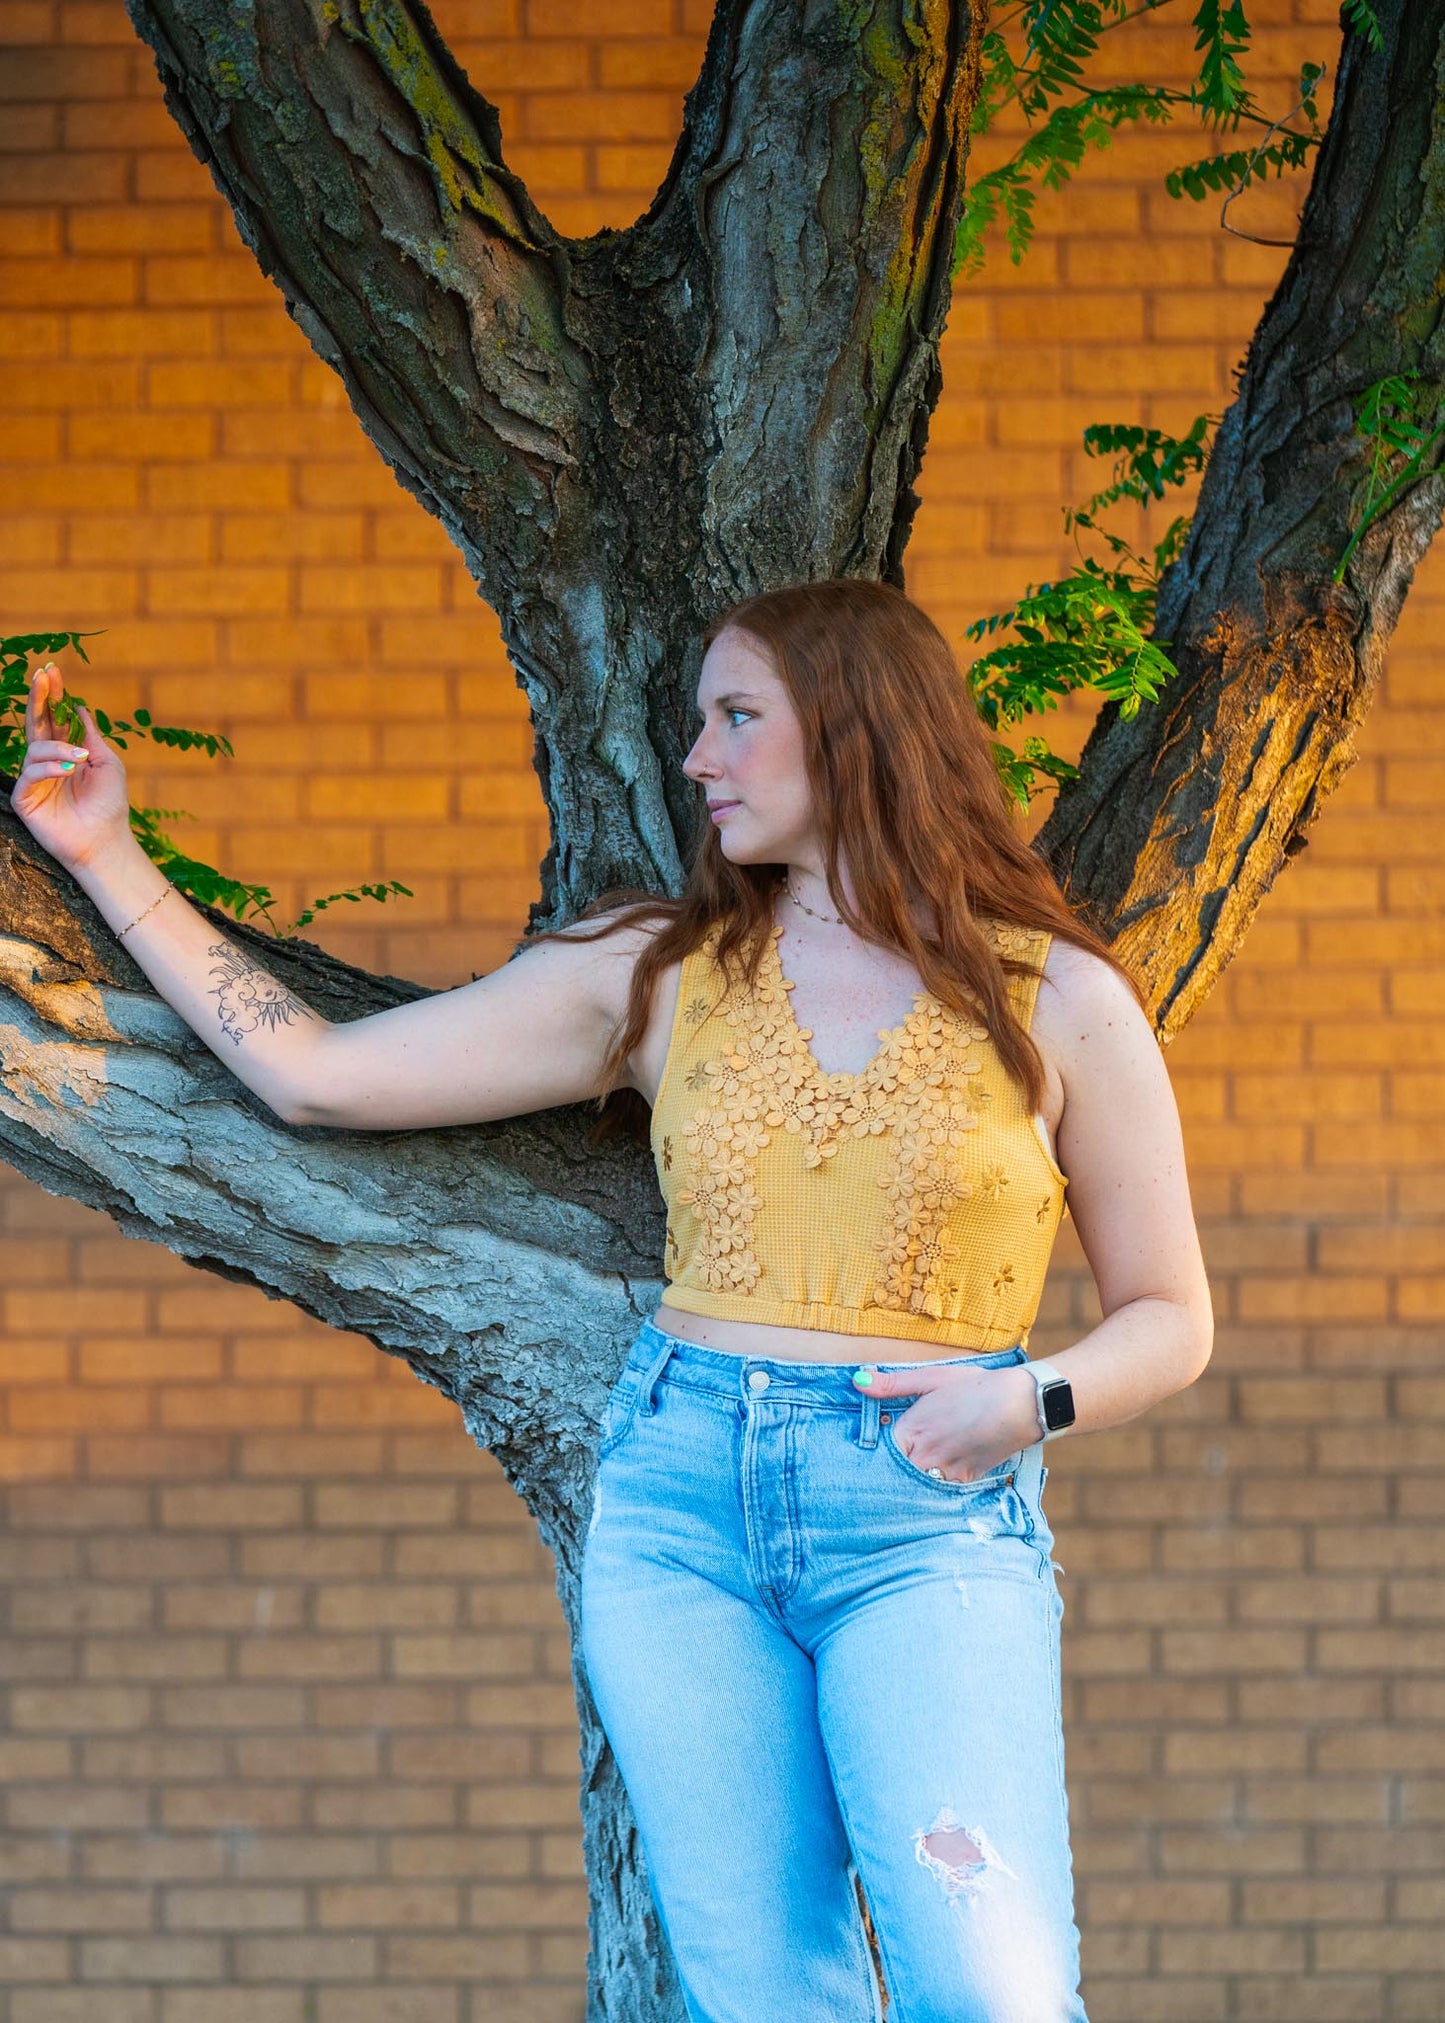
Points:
x=921, y=1087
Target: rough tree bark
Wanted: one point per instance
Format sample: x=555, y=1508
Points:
x=1184, y=816
x=622, y=434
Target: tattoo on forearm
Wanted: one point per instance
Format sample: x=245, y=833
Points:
x=249, y=998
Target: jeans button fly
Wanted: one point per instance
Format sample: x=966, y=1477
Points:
x=758, y=1380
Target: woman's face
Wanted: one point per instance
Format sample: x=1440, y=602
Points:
x=749, y=757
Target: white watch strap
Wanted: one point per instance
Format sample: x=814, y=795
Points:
x=1045, y=1373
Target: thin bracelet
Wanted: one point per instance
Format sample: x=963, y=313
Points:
x=141, y=916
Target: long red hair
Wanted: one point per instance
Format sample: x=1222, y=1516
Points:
x=906, y=791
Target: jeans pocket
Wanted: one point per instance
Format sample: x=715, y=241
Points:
x=619, y=1412
x=996, y=1478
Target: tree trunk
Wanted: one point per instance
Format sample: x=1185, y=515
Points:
x=622, y=434
x=1184, y=816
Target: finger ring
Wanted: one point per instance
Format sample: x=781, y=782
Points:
x=938, y=1472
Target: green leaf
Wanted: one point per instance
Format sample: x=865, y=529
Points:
x=1060, y=37
x=1399, y=422
x=1050, y=156
x=1218, y=175
x=376, y=892
x=1363, y=20
x=1222, y=34
x=1092, y=629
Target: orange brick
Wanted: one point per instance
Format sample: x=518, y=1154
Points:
x=56, y=284
x=147, y=437
x=221, y=591
x=218, y=280
x=29, y=387
x=33, y=335
x=35, y=439
x=136, y=228
x=224, y=383
x=255, y=432
x=669, y=63
x=25, y=234
x=122, y=123
x=205, y=1406
x=91, y=21
x=318, y=853
x=31, y=1459
x=608, y=18
x=140, y=538
x=638, y=167
x=331, y=537
x=140, y=332
x=168, y=175
x=24, y=21
x=30, y=540
x=36, y=1362
x=524, y=64
x=227, y=485
x=69, y=1410
x=360, y=481
x=375, y=587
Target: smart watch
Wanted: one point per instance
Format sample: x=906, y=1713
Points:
x=1055, y=1399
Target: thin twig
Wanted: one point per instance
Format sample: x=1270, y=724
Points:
x=1243, y=183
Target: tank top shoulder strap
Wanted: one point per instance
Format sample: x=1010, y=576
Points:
x=1024, y=944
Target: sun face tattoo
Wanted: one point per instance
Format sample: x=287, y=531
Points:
x=249, y=998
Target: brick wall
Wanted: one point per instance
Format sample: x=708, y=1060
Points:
x=290, y=1735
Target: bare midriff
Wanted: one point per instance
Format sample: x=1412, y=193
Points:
x=803, y=1345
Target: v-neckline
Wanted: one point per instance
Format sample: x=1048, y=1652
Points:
x=887, y=1038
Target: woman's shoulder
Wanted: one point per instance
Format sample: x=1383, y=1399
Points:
x=1083, y=998
x=614, y=940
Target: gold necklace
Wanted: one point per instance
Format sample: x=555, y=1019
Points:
x=833, y=917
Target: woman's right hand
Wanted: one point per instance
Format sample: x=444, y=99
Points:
x=72, y=798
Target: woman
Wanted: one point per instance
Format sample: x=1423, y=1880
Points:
x=819, y=1615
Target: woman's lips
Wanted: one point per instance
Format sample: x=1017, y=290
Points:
x=723, y=808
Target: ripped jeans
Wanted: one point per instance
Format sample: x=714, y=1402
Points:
x=817, y=1664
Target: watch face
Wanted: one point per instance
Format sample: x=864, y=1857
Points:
x=1058, y=1406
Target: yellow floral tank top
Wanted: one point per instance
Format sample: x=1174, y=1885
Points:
x=916, y=1199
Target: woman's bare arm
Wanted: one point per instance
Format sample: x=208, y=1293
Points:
x=1122, y=1147
x=532, y=1034
x=1120, y=1144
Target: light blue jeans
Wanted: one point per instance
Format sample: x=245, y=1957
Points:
x=814, y=1662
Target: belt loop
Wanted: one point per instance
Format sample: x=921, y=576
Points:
x=868, y=1422
x=1030, y=1472
x=654, y=1370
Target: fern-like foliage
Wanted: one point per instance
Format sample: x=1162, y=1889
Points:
x=1221, y=37
x=1218, y=175
x=188, y=874
x=1399, y=422
x=1047, y=160
x=1036, y=56
x=1093, y=629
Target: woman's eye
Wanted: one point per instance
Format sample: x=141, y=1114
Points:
x=740, y=712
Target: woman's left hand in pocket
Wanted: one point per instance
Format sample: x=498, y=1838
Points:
x=962, y=1421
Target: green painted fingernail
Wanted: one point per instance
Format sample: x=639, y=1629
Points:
x=863, y=1378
